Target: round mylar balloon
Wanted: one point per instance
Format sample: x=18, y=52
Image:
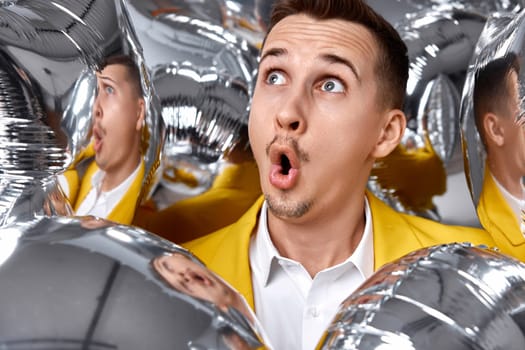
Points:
x=440, y=45
x=49, y=52
x=241, y=18
x=493, y=131
x=479, y=6
x=86, y=283
x=204, y=75
x=443, y=297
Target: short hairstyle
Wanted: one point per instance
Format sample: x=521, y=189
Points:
x=491, y=90
x=131, y=67
x=392, y=61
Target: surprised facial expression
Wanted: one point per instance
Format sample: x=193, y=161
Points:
x=315, y=119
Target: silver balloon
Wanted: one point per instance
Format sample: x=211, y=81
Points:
x=492, y=131
x=48, y=54
x=440, y=45
x=444, y=297
x=479, y=6
x=72, y=283
x=241, y=18
x=204, y=75
x=204, y=111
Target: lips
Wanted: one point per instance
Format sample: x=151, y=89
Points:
x=97, y=138
x=284, y=170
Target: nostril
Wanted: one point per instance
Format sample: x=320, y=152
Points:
x=294, y=125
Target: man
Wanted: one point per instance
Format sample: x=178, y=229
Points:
x=498, y=120
x=326, y=104
x=112, y=183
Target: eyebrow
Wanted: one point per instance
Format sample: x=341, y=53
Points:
x=330, y=58
x=106, y=77
x=275, y=52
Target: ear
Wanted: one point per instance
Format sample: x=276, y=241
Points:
x=140, y=114
x=391, y=133
x=494, y=131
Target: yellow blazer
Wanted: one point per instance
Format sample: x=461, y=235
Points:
x=497, y=217
x=226, y=252
x=233, y=192
x=124, y=211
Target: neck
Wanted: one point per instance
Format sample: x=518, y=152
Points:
x=504, y=175
x=114, y=177
x=322, y=242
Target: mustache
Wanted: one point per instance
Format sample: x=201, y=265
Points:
x=292, y=143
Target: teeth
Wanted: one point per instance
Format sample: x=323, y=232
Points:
x=285, y=164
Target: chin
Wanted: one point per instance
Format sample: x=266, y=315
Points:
x=287, y=208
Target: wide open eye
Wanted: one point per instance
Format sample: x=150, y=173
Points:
x=332, y=85
x=275, y=78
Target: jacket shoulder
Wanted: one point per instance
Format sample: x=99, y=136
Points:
x=431, y=232
x=233, y=238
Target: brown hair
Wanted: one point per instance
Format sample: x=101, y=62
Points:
x=491, y=89
x=392, y=61
x=131, y=67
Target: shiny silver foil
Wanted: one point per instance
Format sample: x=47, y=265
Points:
x=479, y=6
x=86, y=283
x=48, y=53
x=440, y=44
x=501, y=35
x=493, y=130
x=204, y=75
x=444, y=297
x=246, y=18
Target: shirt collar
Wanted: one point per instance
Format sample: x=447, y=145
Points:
x=265, y=254
x=98, y=176
x=514, y=203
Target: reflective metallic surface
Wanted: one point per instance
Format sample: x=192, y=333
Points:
x=48, y=53
x=440, y=44
x=86, y=283
x=480, y=6
x=493, y=133
x=204, y=74
x=444, y=297
x=245, y=18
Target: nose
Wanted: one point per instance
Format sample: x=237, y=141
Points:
x=97, y=110
x=291, y=114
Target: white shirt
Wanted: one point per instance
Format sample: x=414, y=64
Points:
x=293, y=308
x=100, y=203
x=514, y=203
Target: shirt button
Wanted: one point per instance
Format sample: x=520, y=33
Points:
x=314, y=312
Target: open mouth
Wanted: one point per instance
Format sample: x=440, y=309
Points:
x=285, y=164
x=284, y=171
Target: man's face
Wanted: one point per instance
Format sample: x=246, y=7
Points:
x=189, y=277
x=315, y=119
x=118, y=113
x=513, y=147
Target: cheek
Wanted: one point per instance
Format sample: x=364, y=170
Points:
x=255, y=133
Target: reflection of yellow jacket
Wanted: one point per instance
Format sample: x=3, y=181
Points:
x=226, y=251
x=233, y=191
x=124, y=211
x=497, y=217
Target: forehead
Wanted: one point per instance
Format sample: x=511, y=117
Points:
x=310, y=37
x=115, y=72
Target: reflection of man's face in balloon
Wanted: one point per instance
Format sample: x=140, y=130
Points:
x=118, y=116
x=193, y=279
x=498, y=117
